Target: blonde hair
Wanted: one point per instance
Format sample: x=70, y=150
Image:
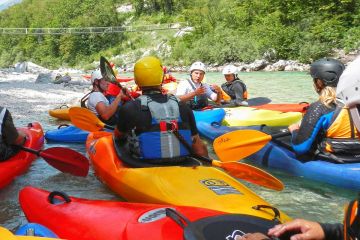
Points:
x=328, y=96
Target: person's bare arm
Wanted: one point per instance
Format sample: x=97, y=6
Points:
x=106, y=112
x=198, y=146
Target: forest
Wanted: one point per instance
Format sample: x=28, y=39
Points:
x=223, y=31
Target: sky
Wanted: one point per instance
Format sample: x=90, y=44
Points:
x=7, y=3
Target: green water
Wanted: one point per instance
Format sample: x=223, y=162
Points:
x=300, y=198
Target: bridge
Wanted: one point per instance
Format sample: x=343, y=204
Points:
x=92, y=30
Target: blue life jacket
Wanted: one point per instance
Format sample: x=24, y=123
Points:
x=159, y=142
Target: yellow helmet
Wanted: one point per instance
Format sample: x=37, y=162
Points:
x=148, y=72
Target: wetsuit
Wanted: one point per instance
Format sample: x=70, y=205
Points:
x=312, y=129
x=8, y=135
x=134, y=119
x=236, y=89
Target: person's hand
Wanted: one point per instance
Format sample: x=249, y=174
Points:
x=294, y=127
x=200, y=91
x=305, y=230
x=216, y=88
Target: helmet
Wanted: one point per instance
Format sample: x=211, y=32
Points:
x=328, y=70
x=96, y=75
x=230, y=69
x=197, y=66
x=348, y=90
x=148, y=72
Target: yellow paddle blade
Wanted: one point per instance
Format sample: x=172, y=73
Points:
x=86, y=120
x=250, y=174
x=236, y=145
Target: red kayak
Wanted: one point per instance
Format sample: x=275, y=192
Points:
x=118, y=78
x=285, y=107
x=20, y=163
x=75, y=218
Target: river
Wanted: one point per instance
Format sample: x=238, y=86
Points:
x=300, y=198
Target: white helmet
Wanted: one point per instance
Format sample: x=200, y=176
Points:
x=198, y=66
x=96, y=75
x=230, y=69
x=348, y=90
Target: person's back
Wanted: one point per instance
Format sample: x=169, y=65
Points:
x=307, y=137
x=147, y=123
x=9, y=135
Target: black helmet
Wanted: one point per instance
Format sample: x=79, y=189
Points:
x=328, y=70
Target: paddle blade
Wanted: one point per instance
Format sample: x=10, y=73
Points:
x=106, y=71
x=66, y=160
x=85, y=119
x=236, y=145
x=250, y=174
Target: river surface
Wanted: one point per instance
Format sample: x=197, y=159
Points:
x=300, y=198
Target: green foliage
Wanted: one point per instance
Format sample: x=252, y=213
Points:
x=223, y=30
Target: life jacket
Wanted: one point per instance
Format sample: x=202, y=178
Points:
x=198, y=102
x=158, y=143
x=341, y=137
x=168, y=78
x=227, y=87
x=352, y=221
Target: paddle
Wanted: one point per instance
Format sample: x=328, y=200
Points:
x=64, y=159
x=86, y=120
x=239, y=170
x=239, y=144
x=108, y=74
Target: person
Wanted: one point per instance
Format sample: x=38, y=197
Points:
x=234, y=87
x=348, y=91
x=98, y=103
x=194, y=92
x=146, y=124
x=168, y=78
x=326, y=129
x=10, y=136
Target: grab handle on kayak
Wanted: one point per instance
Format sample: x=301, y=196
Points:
x=52, y=197
x=275, y=210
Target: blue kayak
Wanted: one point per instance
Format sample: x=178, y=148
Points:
x=272, y=155
x=72, y=134
x=35, y=229
x=67, y=134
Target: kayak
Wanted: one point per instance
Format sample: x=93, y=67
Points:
x=285, y=107
x=5, y=234
x=118, y=78
x=72, y=134
x=247, y=116
x=277, y=156
x=112, y=220
x=67, y=133
x=186, y=184
x=35, y=229
x=21, y=162
x=60, y=113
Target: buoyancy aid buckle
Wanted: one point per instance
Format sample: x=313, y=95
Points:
x=171, y=126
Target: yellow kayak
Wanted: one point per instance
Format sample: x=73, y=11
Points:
x=7, y=235
x=199, y=186
x=60, y=113
x=247, y=116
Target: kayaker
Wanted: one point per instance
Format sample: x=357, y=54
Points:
x=168, y=78
x=234, y=88
x=194, y=92
x=9, y=135
x=98, y=103
x=146, y=123
x=326, y=130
